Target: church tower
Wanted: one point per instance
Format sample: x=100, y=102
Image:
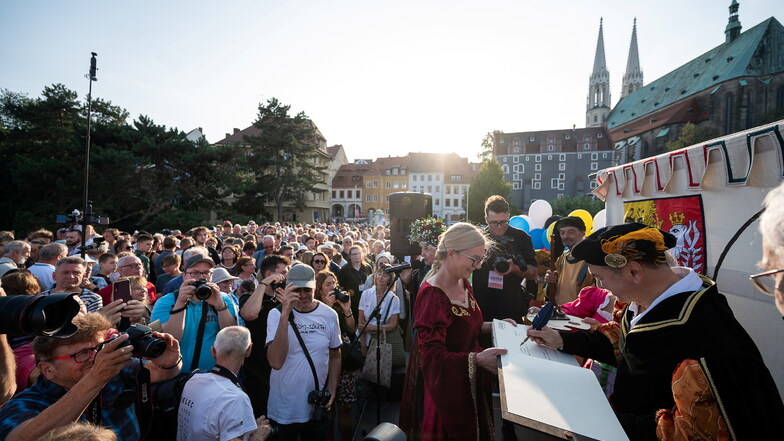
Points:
x=733, y=26
x=632, y=79
x=598, y=87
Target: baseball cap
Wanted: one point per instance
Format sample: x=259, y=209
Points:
x=197, y=259
x=302, y=276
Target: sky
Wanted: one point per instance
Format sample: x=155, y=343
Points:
x=379, y=77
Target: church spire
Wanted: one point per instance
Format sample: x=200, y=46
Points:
x=733, y=26
x=632, y=78
x=599, y=86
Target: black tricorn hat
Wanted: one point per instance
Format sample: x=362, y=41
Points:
x=650, y=242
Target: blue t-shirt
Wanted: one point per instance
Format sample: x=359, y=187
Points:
x=192, y=318
x=173, y=284
x=38, y=397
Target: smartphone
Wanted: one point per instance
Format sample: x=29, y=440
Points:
x=121, y=289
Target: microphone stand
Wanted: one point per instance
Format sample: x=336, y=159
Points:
x=377, y=314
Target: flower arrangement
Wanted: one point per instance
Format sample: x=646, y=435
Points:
x=427, y=229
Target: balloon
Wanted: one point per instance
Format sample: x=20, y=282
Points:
x=551, y=220
x=546, y=238
x=536, y=238
x=585, y=216
x=550, y=232
x=547, y=246
x=520, y=222
x=539, y=212
x=600, y=219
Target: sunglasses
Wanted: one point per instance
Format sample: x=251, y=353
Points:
x=765, y=281
x=320, y=261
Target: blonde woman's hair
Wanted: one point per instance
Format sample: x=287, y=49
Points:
x=459, y=237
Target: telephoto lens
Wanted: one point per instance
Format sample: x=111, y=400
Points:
x=44, y=316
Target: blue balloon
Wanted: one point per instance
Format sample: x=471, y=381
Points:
x=520, y=223
x=545, y=240
x=536, y=237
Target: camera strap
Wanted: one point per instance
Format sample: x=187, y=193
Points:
x=94, y=411
x=227, y=374
x=144, y=410
x=305, y=349
x=200, y=335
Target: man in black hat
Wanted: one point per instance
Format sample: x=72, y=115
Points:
x=676, y=326
x=569, y=276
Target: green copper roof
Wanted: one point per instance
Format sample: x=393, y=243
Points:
x=758, y=51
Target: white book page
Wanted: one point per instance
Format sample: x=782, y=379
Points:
x=510, y=337
x=559, y=395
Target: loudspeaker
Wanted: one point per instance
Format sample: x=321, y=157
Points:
x=405, y=208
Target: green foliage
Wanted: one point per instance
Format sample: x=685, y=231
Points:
x=282, y=164
x=488, y=144
x=488, y=181
x=141, y=175
x=566, y=205
x=691, y=134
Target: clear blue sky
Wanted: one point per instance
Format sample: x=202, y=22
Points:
x=379, y=77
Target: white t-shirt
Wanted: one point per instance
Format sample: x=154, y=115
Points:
x=213, y=408
x=368, y=302
x=291, y=384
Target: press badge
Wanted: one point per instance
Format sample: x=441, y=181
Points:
x=495, y=280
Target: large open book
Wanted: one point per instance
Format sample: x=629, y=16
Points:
x=547, y=390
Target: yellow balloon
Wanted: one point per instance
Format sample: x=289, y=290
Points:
x=550, y=230
x=585, y=216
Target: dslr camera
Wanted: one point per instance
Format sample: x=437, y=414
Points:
x=203, y=292
x=143, y=342
x=319, y=399
x=276, y=285
x=499, y=254
x=341, y=296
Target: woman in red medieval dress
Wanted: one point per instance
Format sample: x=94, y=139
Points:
x=448, y=322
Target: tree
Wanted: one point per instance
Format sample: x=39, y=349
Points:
x=691, y=134
x=488, y=181
x=566, y=205
x=283, y=161
x=488, y=146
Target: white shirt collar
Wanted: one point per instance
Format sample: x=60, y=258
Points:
x=689, y=281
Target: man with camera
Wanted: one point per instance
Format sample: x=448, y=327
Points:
x=498, y=283
x=86, y=378
x=254, y=308
x=213, y=404
x=303, y=349
x=195, y=313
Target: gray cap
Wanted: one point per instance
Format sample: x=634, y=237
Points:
x=302, y=276
x=197, y=259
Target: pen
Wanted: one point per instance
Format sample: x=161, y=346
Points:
x=541, y=319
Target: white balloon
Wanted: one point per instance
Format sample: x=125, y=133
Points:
x=600, y=219
x=539, y=212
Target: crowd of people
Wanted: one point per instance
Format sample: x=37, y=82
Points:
x=255, y=323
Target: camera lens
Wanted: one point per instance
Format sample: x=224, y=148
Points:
x=144, y=343
x=203, y=292
x=47, y=316
x=501, y=265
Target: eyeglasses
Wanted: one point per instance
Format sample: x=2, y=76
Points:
x=322, y=262
x=84, y=355
x=475, y=261
x=498, y=223
x=765, y=281
x=199, y=273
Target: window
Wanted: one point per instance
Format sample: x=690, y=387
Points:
x=567, y=136
x=503, y=159
x=587, y=147
x=375, y=198
x=550, y=148
x=527, y=158
x=532, y=139
x=594, y=156
x=456, y=178
x=389, y=184
x=359, y=195
x=594, y=166
x=387, y=172
x=367, y=198
x=554, y=183
x=517, y=149
x=341, y=194
x=515, y=186
x=549, y=157
x=561, y=176
x=429, y=188
x=538, y=158
x=598, y=135
x=375, y=184
x=397, y=184
x=516, y=159
x=579, y=156
x=456, y=202
x=368, y=184
x=562, y=157
x=387, y=198
x=538, y=167
x=438, y=188
x=356, y=178
x=562, y=166
x=438, y=177
x=429, y=177
x=404, y=184
x=537, y=176
x=505, y=168
x=438, y=202
x=333, y=194
x=536, y=185
x=560, y=185
x=593, y=185
x=561, y=196
x=604, y=155
x=415, y=177
x=515, y=177
x=447, y=202
x=395, y=171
